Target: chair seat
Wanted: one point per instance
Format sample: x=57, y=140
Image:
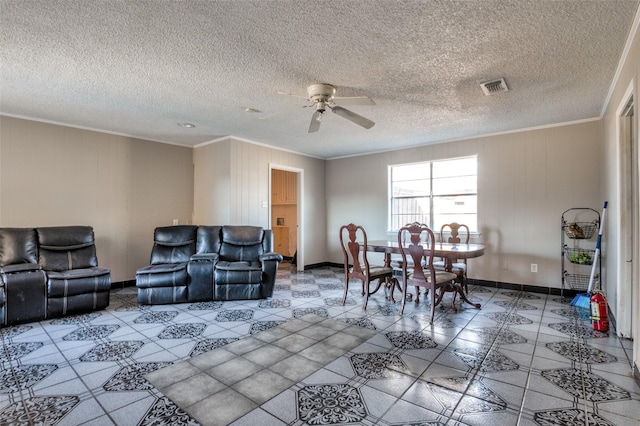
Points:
x=442, y=277
x=378, y=271
x=460, y=266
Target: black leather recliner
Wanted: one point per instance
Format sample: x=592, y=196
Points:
x=247, y=266
x=200, y=263
x=165, y=280
x=49, y=272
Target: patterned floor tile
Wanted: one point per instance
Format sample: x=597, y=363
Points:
x=90, y=368
x=330, y=404
x=585, y=385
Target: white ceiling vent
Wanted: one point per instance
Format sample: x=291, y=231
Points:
x=494, y=86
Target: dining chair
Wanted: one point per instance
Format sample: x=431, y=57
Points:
x=357, y=266
x=416, y=243
x=458, y=266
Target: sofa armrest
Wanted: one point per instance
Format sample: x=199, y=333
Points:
x=19, y=267
x=271, y=256
x=205, y=257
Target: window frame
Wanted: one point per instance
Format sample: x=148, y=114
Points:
x=430, y=196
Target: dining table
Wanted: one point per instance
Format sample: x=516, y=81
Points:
x=450, y=252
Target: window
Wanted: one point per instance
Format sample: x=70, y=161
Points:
x=435, y=193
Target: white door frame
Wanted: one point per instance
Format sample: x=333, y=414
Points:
x=299, y=208
x=627, y=270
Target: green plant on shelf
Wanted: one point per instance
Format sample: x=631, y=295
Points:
x=581, y=258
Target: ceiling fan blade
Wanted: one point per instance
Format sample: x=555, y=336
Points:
x=353, y=100
x=314, y=126
x=352, y=116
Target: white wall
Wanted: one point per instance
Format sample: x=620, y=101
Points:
x=526, y=180
x=54, y=175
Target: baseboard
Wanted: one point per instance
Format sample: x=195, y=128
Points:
x=118, y=285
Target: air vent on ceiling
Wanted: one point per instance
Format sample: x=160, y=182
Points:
x=494, y=86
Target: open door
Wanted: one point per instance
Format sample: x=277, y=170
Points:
x=286, y=215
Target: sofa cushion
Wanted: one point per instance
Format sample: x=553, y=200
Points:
x=18, y=245
x=238, y=272
x=173, y=244
x=78, y=281
x=208, y=239
x=241, y=243
x=66, y=247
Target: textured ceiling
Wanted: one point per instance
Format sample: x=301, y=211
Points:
x=140, y=67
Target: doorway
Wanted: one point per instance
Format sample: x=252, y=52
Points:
x=628, y=269
x=285, y=213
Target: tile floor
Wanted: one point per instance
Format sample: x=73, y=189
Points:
x=523, y=359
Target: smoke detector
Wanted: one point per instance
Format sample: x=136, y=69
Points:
x=494, y=86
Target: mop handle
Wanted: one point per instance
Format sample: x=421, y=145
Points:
x=596, y=254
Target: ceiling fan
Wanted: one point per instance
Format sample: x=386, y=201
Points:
x=322, y=97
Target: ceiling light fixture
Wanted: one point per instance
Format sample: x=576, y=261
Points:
x=187, y=125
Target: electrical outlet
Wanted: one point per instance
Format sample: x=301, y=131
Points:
x=175, y=221
x=505, y=265
x=534, y=267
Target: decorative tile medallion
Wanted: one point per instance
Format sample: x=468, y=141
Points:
x=410, y=340
x=508, y=318
x=156, y=317
x=165, y=412
x=378, y=365
x=500, y=335
x=76, y=319
x=486, y=361
x=91, y=332
x=520, y=295
x=182, y=331
x=478, y=289
x=577, y=330
x=300, y=312
x=585, y=385
x=38, y=410
x=282, y=287
x=337, y=301
x=515, y=304
x=126, y=302
x=112, y=351
x=360, y=322
x=385, y=311
x=330, y=286
x=14, y=330
x=211, y=344
x=274, y=304
x=570, y=417
x=13, y=351
x=259, y=326
x=310, y=280
x=235, y=315
x=24, y=376
x=477, y=398
x=305, y=294
x=330, y=404
x=206, y=306
x=574, y=313
x=581, y=352
x=131, y=377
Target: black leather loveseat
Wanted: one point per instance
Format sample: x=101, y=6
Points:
x=50, y=272
x=201, y=263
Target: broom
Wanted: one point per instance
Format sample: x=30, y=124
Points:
x=584, y=300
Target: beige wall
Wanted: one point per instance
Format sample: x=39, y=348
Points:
x=54, y=175
x=526, y=181
x=248, y=190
